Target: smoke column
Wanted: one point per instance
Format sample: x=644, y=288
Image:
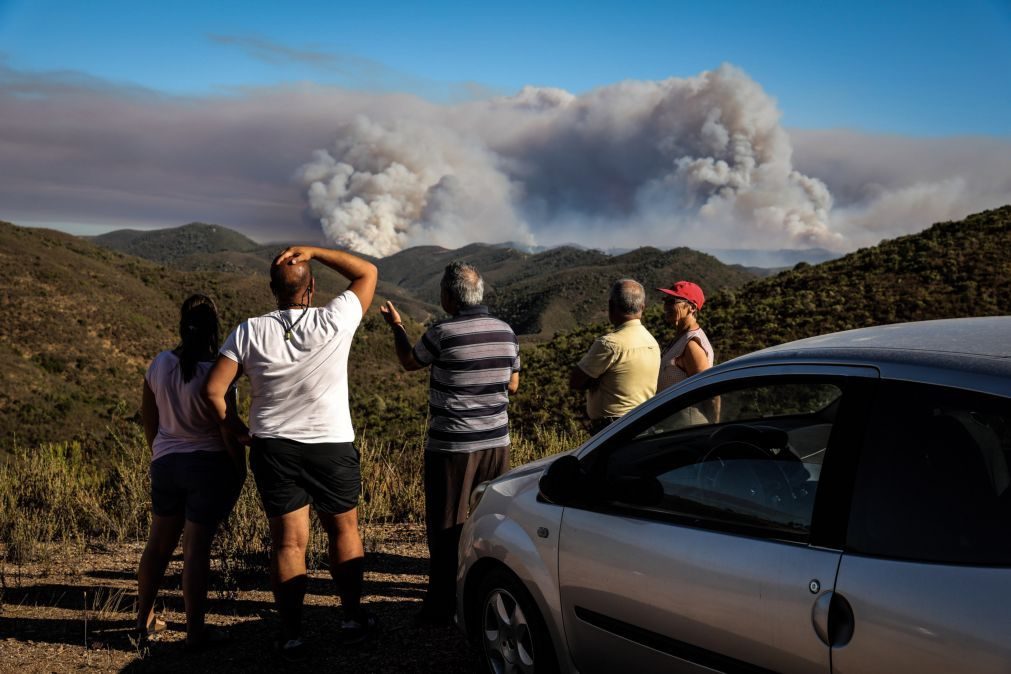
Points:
x=700, y=161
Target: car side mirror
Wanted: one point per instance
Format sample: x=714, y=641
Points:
x=564, y=482
x=634, y=490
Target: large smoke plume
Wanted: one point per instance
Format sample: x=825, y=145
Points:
x=701, y=161
x=698, y=161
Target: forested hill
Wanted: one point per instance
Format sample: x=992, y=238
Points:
x=538, y=294
x=79, y=325
x=81, y=322
x=558, y=289
x=178, y=244
x=951, y=270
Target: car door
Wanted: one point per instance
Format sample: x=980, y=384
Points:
x=702, y=552
x=927, y=570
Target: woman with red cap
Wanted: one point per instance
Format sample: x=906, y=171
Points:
x=689, y=351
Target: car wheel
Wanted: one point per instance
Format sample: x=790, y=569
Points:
x=510, y=628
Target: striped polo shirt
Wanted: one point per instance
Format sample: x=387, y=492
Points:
x=473, y=356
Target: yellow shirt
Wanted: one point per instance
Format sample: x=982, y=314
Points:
x=625, y=364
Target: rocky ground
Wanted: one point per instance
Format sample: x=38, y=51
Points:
x=69, y=615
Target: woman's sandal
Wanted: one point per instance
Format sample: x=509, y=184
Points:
x=153, y=630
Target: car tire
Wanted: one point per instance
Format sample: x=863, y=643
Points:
x=510, y=630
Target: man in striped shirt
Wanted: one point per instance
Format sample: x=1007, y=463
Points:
x=475, y=365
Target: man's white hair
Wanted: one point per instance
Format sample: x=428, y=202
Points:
x=464, y=284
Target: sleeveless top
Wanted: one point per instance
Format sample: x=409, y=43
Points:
x=670, y=373
x=186, y=423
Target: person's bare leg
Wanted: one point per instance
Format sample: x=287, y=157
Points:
x=289, y=536
x=161, y=543
x=196, y=572
x=347, y=559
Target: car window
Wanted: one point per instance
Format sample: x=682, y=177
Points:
x=749, y=404
x=933, y=480
x=749, y=456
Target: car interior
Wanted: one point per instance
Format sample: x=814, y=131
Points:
x=758, y=467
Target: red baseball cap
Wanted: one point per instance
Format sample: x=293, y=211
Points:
x=686, y=290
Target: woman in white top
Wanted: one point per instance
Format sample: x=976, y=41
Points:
x=196, y=472
x=689, y=351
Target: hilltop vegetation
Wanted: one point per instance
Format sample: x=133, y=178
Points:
x=950, y=270
x=79, y=326
x=82, y=322
x=953, y=269
x=566, y=288
x=178, y=244
x=555, y=290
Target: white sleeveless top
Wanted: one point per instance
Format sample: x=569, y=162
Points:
x=670, y=373
x=186, y=422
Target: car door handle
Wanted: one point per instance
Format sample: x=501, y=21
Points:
x=832, y=617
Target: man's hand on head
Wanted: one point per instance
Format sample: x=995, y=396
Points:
x=294, y=255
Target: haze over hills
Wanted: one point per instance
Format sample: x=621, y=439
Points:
x=81, y=322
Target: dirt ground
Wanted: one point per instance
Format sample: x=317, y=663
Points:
x=76, y=615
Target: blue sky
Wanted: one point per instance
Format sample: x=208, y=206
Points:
x=387, y=125
x=917, y=68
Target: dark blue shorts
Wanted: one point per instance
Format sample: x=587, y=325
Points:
x=290, y=475
x=203, y=486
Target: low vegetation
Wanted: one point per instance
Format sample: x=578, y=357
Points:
x=55, y=494
x=80, y=324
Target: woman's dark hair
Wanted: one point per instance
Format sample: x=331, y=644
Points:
x=198, y=330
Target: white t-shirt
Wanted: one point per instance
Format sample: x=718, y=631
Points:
x=186, y=422
x=299, y=386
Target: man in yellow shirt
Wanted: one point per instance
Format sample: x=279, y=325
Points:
x=620, y=369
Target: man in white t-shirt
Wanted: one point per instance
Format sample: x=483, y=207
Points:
x=300, y=428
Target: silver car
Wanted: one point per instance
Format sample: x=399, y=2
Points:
x=836, y=504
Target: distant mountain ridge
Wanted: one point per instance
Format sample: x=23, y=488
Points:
x=772, y=259
x=951, y=270
x=538, y=293
x=81, y=322
x=177, y=243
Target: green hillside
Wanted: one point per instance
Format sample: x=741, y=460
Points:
x=172, y=245
x=951, y=270
x=79, y=327
x=559, y=289
x=538, y=294
x=81, y=323
x=565, y=288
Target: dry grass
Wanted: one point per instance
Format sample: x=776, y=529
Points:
x=71, y=532
x=54, y=494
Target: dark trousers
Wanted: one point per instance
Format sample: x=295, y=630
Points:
x=449, y=479
x=597, y=425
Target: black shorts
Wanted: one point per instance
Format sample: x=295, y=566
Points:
x=203, y=486
x=291, y=474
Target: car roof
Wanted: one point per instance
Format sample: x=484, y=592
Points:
x=946, y=343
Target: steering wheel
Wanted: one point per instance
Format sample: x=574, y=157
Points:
x=746, y=472
x=774, y=440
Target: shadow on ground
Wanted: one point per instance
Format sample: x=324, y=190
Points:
x=88, y=618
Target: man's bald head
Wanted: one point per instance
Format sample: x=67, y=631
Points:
x=291, y=283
